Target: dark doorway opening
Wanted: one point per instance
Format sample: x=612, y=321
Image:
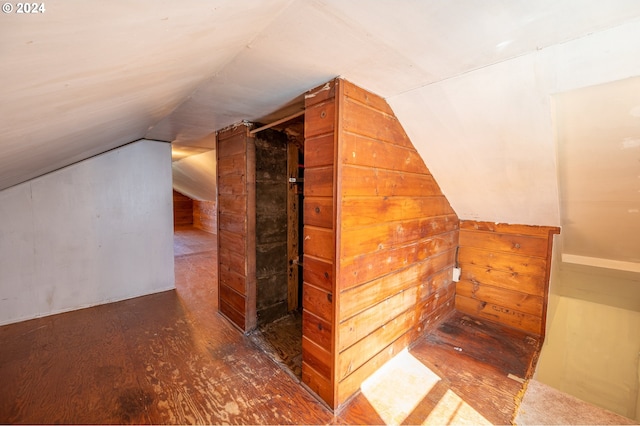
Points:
x=279, y=200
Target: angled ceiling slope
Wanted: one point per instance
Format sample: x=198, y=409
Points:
x=471, y=82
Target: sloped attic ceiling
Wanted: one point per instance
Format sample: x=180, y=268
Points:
x=472, y=82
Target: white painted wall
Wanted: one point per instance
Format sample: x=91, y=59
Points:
x=95, y=232
x=488, y=135
x=195, y=176
x=592, y=347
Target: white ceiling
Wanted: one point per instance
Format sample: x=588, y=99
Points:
x=473, y=83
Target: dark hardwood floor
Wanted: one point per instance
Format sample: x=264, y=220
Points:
x=171, y=358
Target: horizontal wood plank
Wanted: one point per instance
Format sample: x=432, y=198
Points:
x=515, y=300
x=530, y=284
x=319, y=151
x=509, y=243
x=368, y=266
x=367, y=181
x=318, y=272
x=316, y=357
x=386, y=235
x=365, y=97
x=318, y=211
x=504, y=228
x=360, y=326
x=317, y=330
x=363, y=151
x=358, y=354
x=371, y=210
x=318, y=301
x=357, y=118
x=320, y=119
x=500, y=314
x=502, y=262
x=318, y=182
x=319, y=242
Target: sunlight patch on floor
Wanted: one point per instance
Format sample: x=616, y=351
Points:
x=451, y=409
x=399, y=386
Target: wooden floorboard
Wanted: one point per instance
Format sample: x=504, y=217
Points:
x=170, y=358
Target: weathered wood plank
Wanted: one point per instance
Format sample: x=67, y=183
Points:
x=349, y=385
x=371, y=210
x=360, y=326
x=233, y=205
x=320, y=94
x=358, y=299
x=500, y=314
x=320, y=119
x=318, y=272
x=318, y=301
x=372, y=263
x=232, y=280
x=232, y=242
x=317, y=330
x=357, y=118
x=319, y=242
x=293, y=229
x=232, y=165
x=319, y=151
x=318, y=211
x=319, y=384
x=316, y=357
x=385, y=235
x=233, y=298
x=367, y=181
x=363, y=151
x=504, y=228
x=509, y=243
x=502, y=261
x=530, y=284
x=205, y=216
x=353, y=357
x=318, y=182
x=515, y=300
x=365, y=97
x=232, y=184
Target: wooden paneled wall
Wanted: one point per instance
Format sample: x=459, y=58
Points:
x=237, y=226
x=318, y=331
x=182, y=209
x=505, y=273
x=380, y=240
x=396, y=240
x=204, y=216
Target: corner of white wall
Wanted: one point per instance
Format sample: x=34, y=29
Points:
x=95, y=232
